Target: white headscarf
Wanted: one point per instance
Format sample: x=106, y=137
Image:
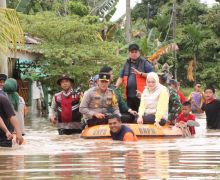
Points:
x=154, y=76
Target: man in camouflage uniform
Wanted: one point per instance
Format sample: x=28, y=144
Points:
x=174, y=101
x=99, y=102
x=174, y=106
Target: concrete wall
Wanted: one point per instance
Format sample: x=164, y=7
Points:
x=5, y=62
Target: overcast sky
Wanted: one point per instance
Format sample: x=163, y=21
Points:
x=121, y=6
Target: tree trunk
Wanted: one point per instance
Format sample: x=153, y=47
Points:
x=3, y=58
x=174, y=38
x=195, y=67
x=128, y=22
x=3, y=3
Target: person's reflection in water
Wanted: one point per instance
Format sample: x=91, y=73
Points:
x=134, y=165
x=65, y=162
x=162, y=164
x=11, y=165
x=147, y=165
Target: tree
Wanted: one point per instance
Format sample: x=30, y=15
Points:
x=70, y=45
x=11, y=34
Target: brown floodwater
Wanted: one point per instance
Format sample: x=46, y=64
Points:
x=46, y=155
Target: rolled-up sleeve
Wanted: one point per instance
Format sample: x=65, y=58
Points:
x=142, y=106
x=121, y=74
x=162, y=105
x=115, y=105
x=148, y=67
x=53, y=108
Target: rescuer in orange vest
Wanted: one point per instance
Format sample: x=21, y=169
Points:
x=133, y=76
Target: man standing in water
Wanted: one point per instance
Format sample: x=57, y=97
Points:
x=98, y=102
x=133, y=76
x=211, y=106
x=66, y=105
x=120, y=132
x=8, y=116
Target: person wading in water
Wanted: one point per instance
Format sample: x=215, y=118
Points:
x=120, y=132
x=66, y=105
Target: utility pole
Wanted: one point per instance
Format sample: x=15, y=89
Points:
x=174, y=37
x=128, y=22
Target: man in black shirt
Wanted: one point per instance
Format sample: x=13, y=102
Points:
x=133, y=76
x=211, y=106
x=8, y=116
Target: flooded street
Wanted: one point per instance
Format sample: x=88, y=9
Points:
x=46, y=155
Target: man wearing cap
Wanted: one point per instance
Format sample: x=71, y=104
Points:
x=99, y=102
x=65, y=108
x=133, y=76
x=3, y=78
x=128, y=115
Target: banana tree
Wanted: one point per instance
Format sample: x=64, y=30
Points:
x=11, y=34
x=194, y=36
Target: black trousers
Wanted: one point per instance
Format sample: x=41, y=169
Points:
x=69, y=131
x=125, y=118
x=5, y=142
x=128, y=118
x=95, y=121
x=150, y=119
x=133, y=103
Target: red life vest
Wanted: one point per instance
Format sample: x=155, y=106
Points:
x=140, y=80
x=68, y=107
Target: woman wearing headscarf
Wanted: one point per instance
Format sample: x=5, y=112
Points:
x=17, y=101
x=154, y=102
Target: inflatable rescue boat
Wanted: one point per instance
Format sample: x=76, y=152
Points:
x=141, y=130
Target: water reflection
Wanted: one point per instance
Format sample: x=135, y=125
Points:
x=46, y=155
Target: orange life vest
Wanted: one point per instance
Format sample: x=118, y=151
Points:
x=140, y=80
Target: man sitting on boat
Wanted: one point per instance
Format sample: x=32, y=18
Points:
x=154, y=102
x=128, y=115
x=98, y=102
x=120, y=132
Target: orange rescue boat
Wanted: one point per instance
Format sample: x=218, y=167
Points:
x=141, y=130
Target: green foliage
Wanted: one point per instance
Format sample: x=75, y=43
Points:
x=141, y=10
x=197, y=32
x=212, y=19
x=78, y=8
x=190, y=11
x=70, y=46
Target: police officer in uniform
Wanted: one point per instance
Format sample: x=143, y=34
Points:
x=99, y=102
